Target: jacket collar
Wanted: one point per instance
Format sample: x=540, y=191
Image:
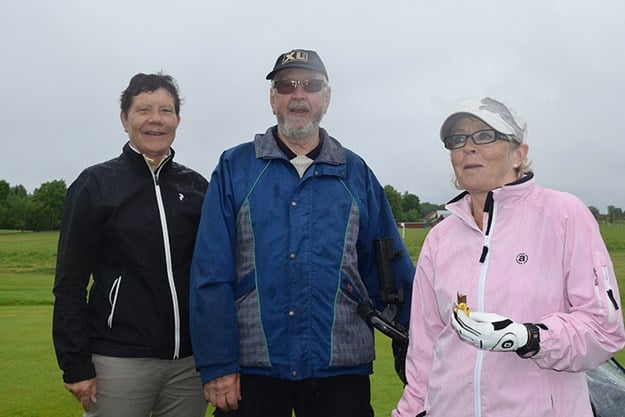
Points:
x=513, y=190
x=138, y=158
x=332, y=152
x=505, y=196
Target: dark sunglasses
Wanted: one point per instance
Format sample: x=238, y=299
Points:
x=289, y=86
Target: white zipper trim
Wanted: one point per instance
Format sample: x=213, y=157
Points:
x=477, y=383
x=113, y=300
x=477, y=374
x=168, y=263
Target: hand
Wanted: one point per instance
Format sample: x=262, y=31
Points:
x=400, y=349
x=224, y=392
x=84, y=391
x=490, y=331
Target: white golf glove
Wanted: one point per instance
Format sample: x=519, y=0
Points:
x=490, y=331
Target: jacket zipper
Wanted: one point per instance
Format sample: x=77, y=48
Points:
x=167, y=249
x=113, y=300
x=485, y=260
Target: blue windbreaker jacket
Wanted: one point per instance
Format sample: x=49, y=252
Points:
x=281, y=263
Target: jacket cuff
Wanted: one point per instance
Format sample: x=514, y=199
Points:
x=532, y=346
x=208, y=373
x=71, y=376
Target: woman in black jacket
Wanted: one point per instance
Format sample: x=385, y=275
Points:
x=130, y=225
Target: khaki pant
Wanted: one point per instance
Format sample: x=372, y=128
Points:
x=144, y=387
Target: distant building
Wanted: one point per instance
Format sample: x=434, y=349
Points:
x=412, y=225
x=428, y=221
x=436, y=216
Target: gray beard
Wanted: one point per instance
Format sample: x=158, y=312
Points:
x=299, y=133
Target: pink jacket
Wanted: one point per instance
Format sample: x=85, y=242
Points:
x=545, y=263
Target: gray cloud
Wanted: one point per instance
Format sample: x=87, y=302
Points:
x=396, y=69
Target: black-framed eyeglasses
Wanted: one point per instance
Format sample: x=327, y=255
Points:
x=479, y=137
x=289, y=86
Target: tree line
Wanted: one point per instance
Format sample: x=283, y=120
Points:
x=407, y=207
x=38, y=211
x=42, y=210
x=614, y=214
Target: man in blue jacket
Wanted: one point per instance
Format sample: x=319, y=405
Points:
x=284, y=255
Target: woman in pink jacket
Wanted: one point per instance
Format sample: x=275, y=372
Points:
x=539, y=283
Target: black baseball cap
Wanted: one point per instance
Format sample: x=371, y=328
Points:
x=298, y=58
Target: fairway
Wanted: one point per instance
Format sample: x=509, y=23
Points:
x=30, y=379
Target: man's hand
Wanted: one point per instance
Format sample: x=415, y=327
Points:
x=84, y=391
x=400, y=349
x=224, y=392
x=490, y=331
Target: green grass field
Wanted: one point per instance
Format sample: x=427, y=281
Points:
x=30, y=379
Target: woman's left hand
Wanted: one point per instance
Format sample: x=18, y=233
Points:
x=490, y=331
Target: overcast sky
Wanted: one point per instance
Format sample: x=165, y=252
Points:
x=396, y=68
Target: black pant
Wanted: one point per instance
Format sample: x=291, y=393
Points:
x=339, y=396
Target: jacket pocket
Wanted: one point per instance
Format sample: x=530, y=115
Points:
x=113, y=293
x=253, y=347
x=605, y=293
x=352, y=339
